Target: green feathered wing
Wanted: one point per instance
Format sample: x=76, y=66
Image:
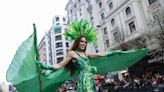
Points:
x=118, y=60
x=26, y=76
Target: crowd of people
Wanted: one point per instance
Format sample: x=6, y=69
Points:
x=145, y=83
x=148, y=82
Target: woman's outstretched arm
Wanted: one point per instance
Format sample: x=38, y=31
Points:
x=109, y=53
x=65, y=61
x=95, y=55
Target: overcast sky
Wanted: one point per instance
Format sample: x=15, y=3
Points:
x=16, y=19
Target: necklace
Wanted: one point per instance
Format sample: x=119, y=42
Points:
x=79, y=50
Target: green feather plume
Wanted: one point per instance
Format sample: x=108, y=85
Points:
x=82, y=28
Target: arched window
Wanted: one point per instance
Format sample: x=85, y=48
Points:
x=128, y=11
x=151, y=1
x=116, y=36
x=75, y=6
x=111, y=5
x=105, y=31
x=100, y=5
x=113, y=22
x=102, y=16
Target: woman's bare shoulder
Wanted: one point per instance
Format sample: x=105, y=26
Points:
x=71, y=52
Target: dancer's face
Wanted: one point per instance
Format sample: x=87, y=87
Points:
x=83, y=43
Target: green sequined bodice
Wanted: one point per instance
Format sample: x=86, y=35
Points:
x=85, y=78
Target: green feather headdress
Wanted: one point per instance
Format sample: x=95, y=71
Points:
x=82, y=28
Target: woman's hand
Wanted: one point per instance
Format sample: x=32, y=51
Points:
x=115, y=52
x=93, y=69
x=45, y=66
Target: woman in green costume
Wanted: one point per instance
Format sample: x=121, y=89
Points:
x=25, y=69
x=78, y=59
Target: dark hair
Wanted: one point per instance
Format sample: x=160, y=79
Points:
x=69, y=66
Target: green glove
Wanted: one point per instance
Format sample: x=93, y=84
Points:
x=115, y=52
x=45, y=66
x=93, y=69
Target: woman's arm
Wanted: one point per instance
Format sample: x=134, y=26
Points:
x=95, y=55
x=109, y=53
x=65, y=61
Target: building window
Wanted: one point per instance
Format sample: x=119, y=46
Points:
x=102, y=16
x=58, y=44
x=57, y=23
x=64, y=19
x=80, y=12
x=151, y=1
x=107, y=43
x=96, y=47
x=57, y=30
x=59, y=37
x=91, y=17
x=57, y=18
x=112, y=22
x=100, y=5
x=132, y=27
x=59, y=52
x=105, y=31
x=116, y=36
x=110, y=5
x=128, y=11
x=75, y=6
x=71, y=11
x=59, y=59
x=97, y=50
x=67, y=44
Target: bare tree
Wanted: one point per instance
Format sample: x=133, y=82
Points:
x=140, y=42
x=119, y=37
x=155, y=28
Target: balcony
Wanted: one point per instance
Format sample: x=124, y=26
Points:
x=153, y=5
